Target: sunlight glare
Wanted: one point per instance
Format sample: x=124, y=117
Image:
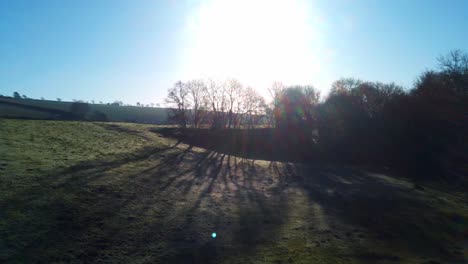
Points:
x=257, y=42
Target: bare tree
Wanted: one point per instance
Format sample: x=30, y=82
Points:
x=215, y=97
x=253, y=107
x=196, y=92
x=220, y=104
x=454, y=61
x=275, y=91
x=233, y=91
x=344, y=86
x=177, y=97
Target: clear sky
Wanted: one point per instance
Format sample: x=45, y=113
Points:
x=135, y=50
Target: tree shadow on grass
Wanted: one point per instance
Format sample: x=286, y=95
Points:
x=161, y=205
x=155, y=205
x=395, y=215
x=382, y=209
x=213, y=197
x=262, y=143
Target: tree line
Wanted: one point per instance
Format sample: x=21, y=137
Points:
x=18, y=96
x=421, y=129
x=226, y=104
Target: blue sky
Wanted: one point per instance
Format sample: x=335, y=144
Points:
x=135, y=50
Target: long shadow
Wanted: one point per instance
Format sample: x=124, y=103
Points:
x=164, y=206
x=169, y=208
x=57, y=218
x=204, y=183
x=390, y=213
x=262, y=143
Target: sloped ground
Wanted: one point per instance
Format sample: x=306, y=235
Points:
x=54, y=110
x=76, y=192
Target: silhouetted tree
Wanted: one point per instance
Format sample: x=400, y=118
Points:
x=295, y=111
x=178, y=97
x=251, y=108
x=422, y=130
x=233, y=92
x=454, y=61
x=216, y=102
x=275, y=90
x=450, y=81
x=295, y=106
x=16, y=95
x=439, y=116
x=196, y=93
x=353, y=121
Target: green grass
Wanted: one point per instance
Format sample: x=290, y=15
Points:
x=83, y=192
x=43, y=109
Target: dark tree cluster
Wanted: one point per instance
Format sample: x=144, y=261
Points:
x=422, y=130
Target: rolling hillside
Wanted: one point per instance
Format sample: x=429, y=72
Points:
x=43, y=109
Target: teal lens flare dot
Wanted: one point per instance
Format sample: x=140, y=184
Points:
x=213, y=235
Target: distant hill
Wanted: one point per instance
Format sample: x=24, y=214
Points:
x=54, y=110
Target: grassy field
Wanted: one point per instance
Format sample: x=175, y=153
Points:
x=84, y=192
x=43, y=109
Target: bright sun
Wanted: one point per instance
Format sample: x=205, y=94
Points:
x=257, y=42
